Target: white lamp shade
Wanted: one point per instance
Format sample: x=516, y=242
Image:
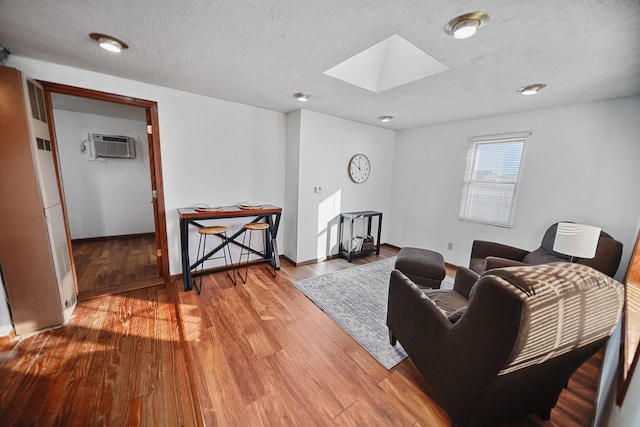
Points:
x=576, y=240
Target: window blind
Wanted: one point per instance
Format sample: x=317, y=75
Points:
x=491, y=179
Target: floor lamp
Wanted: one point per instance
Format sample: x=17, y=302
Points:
x=576, y=240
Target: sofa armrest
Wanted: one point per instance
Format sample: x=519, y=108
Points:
x=465, y=279
x=496, y=262
x=607, y=258
x=484, y=249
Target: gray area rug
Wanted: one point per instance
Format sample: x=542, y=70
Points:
x=356, y=299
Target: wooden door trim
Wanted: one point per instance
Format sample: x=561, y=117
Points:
x=154, y=144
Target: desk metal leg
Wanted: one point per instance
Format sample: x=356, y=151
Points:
x=272, y=249
x=340, y=228
x=184, y=242
x=379, y=234
x=352, y=221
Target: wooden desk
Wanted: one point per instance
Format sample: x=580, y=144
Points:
x=189, y=216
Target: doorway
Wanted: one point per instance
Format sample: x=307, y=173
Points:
x=113, y=206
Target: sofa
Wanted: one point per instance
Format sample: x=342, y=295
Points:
x=503, y=344
x=486, y=255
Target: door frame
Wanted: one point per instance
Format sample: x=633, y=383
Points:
x=155, y=160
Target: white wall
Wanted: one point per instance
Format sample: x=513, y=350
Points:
x=290, y=212
x=105, y=197
x=212, y=150
x=580, y=164
x=326, y=145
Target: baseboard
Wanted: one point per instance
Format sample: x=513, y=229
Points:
x=121, y=236
x=315, y=261
x=7, y=334
x=389, y=245
x=329, y=257
x=96, y=293
x=298, y=264
x=301, y=263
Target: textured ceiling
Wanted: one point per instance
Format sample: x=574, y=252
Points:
x=260, y=52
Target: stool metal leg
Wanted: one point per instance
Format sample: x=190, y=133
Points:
x=246, y=269
x=267, y=243
x=226, y=252
x=229, y=265
x=198, y=256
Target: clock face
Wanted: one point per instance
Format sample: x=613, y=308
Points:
x=359, y=168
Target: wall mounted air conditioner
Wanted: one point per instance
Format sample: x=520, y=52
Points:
x=112, y=146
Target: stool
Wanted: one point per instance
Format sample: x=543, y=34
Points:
x=422, y=266
x=221, y=232
x=249, y=229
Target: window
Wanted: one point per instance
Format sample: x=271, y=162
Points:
x=491, y=179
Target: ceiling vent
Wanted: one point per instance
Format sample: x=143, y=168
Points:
x=112, y=146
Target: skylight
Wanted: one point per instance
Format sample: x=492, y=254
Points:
x=391, y=63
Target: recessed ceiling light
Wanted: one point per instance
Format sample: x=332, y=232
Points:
x=385, y=119
x=109, y=43
x=464, y=26
x=531, y=89
x=301, y=96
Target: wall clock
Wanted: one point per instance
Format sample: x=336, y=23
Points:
x=359, y=168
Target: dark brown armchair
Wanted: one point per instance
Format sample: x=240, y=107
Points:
x=487, y=255
x=484, y=357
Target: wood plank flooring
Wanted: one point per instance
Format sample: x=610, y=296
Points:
x=264, y=354
x=109, y=265
x=257, y=354
x=119, y=362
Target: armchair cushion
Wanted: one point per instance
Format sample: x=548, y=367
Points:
x=456, y=315
x=492, y=262
x=545, y=253
x=448, y=302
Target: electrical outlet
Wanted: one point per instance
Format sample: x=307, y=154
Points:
x=450, y=246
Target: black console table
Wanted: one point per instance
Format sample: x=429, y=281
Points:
x=351, y=217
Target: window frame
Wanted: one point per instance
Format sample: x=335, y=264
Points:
x=471, y=181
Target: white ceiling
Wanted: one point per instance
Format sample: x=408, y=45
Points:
x=260, y=52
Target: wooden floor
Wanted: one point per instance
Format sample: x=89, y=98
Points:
x=119, y=362
x=259, y=354
x=109, y=265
